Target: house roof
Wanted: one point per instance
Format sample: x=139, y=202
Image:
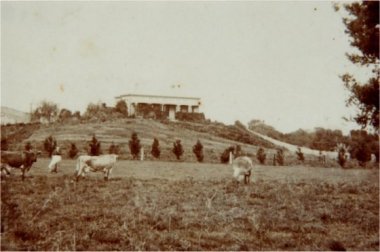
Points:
x=157, y=96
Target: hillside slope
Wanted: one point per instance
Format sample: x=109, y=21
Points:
x=9, y=115
x=119, y=132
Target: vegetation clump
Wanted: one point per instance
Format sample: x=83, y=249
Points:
x=198, y=151
x=177, y=149
x=155, y=148
x=94, y=146
x=261, y=155
x=50, y=144
x=134, y=145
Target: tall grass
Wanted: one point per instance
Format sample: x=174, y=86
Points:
x=54, y=213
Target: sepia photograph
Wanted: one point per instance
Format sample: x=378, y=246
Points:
x=190, y=125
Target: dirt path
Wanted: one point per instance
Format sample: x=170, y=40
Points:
x=293, y=148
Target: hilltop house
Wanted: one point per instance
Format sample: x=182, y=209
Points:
x=159, y=106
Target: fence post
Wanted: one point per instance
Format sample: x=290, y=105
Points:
x=142, y=154
x=230, y=158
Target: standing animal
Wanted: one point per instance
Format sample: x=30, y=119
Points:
x=17, y=159
x=103, y=163
x=242, y=167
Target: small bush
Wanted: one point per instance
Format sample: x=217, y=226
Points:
x=134, y=145
x=50, y=144
x=4, y=144
x=261, y=155
x=155, y=149
x=177, y=149
x=280, y=157
x=95, y=147
x=73, y=151
x=28, y=146
x=121, y=107
x=114, y=149
x=198, y=151
x=300, y=155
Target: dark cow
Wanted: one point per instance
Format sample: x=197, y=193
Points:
x=17, y=159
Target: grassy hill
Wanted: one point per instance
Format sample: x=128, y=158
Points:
x=9, y=115
x=215, y=137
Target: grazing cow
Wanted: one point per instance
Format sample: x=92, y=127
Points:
x=242, y=167
x=103, y=163
x=17, y=159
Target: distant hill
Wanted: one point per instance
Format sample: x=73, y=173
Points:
x=9, y=115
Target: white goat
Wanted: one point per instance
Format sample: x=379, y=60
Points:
x=242, y=167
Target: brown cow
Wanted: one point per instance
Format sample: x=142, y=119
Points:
x=17, y=159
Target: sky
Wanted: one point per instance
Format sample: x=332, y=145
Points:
x=278, y=62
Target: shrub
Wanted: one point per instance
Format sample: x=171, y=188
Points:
x=28, y=146
x=300, y=155
x=121, y=107
x=94, y=147
x=280, y=157
x=224, y=158
x=113, y=149
x=177, y=149
x=342, y=157
x=155, y=149
x=64, y=115
x=73, y=151
x=4, y=144
x=198, y=151
x=261, y=155
x=50, y=144
x=134, y=145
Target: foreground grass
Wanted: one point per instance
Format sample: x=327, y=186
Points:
x=54, y=213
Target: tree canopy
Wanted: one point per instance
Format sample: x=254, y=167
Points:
x=362, y=26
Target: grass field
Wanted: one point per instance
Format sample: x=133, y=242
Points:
x=190, y=206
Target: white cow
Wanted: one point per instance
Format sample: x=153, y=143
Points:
x=242, y=167
x=103, y=163
x=53, y=166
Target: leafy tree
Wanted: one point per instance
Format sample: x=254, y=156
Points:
x=121, y=107
x=362, y=25
x=94, y=146
x=134, y=145
x=300, y=155
x=261, y=155
x=198, y=151
x=177, y=149
x=47, y=110
x=280, y=157
x=155, y=148
x=73, y=151
x=50, y=144
x=362, y=145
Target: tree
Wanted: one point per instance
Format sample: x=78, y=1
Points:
x=50, y=144
x=198, y=151
x=94, y=146
x=155, y=148
x=64, y=114
x=46, y=110
x=121, y=107
x=280, y=157
x=362, y=145
x=300, y=155
x=177, y=149
x=261, y=155
x=134, y=145
x=73, y=151
x=362, y=25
